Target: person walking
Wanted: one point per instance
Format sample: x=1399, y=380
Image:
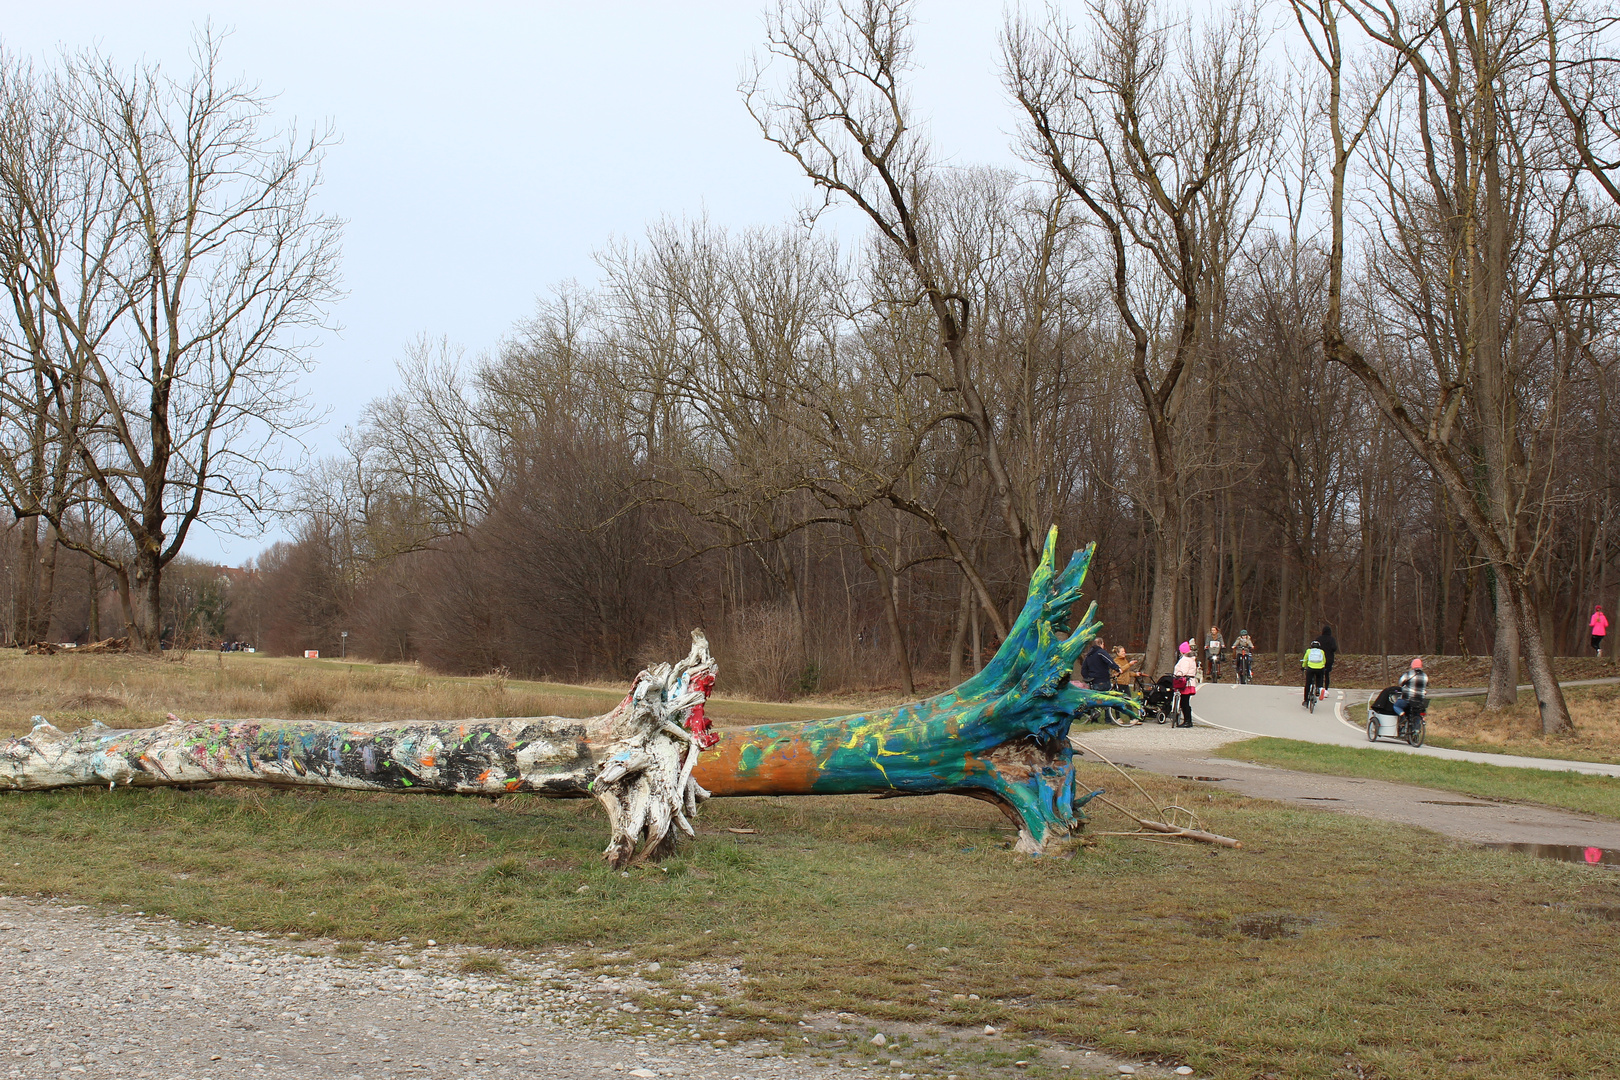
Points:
x=1600, y=627
x=1330, y=646
x=1185, y=682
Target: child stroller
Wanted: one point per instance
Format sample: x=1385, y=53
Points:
x=1158, y=699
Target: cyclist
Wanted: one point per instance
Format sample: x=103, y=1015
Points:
x=1243, y=652
x=1315, y=663
x=1414, y=684
x=1212, y=648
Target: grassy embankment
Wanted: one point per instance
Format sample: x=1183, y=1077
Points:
x=1328, y=944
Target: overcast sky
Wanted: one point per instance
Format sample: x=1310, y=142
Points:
x=487, y=151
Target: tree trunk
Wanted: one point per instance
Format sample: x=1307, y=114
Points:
x=1002, y=737
x=1504, y=688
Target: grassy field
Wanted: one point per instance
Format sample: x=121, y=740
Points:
x=1463, y=724
x=1570, y=791
x=139, y=691
x=1329, y=946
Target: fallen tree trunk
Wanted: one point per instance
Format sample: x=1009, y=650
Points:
x=1001, y=736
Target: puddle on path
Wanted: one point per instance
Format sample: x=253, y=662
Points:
x=1211, y=778
x=1575, y=853
x=1448, y=802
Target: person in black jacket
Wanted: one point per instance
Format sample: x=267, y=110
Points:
x=1330, y=645
x=1097, y=669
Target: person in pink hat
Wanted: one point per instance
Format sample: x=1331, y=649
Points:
x=1186, y=682
x=1600, y=627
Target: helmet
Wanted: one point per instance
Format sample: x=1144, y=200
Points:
x=1186, y=649
x=1315, y=644
x=1243, y=633
x=1417, y=663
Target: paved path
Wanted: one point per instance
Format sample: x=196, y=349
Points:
x=1275, y=711
x=1188, y=755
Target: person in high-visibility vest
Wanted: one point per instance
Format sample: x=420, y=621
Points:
x=1315, y=664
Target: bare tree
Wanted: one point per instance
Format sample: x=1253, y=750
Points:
x=164, y=274
x=1163, y=145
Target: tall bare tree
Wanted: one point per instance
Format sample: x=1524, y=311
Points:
x=1163, y=139
x=165, y=271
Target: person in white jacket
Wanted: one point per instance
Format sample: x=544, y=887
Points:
x=1185, y=674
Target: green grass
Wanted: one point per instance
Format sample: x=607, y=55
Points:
x=1568, y=790
x=1410, y=956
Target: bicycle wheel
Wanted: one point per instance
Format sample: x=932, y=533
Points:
x=1414, y=733
x=1310, y=701
x=1118, y=717
x=1372, y=729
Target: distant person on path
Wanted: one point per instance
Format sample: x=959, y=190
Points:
x=1600, y=627
x=1314, y=662
x=1186, y=676
x=1414, y=684
x=1330, y=645
x=1097, y=669
x=1212, y=647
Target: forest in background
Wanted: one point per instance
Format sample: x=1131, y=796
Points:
x=842, y=460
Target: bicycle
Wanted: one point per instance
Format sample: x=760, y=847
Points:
x=1245, y=668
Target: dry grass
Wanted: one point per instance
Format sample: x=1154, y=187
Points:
x=1329, y=946
x=139, y=691
x=1464, y=724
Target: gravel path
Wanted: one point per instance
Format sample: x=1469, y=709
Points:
x=84, y=993
x=89, y=993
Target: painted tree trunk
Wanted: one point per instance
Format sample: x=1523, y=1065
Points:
x=1001, y=736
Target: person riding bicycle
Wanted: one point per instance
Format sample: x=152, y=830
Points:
x=1243, y=654
x=1315, y=663
x=1212, y=648
x=1098, y=668
x=1414, y=684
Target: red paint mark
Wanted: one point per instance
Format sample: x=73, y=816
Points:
x=1594, y=855
x=696, y=722
x=484, y=775
x=512, y=785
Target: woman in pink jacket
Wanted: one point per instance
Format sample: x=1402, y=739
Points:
x=1600, y=626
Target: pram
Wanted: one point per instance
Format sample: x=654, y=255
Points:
x=1158, y=699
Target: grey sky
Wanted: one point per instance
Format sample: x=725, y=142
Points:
x=487, y=150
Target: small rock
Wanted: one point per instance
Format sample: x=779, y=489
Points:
x=895, y=1063
x=958, y=997
x=912, y=947
x=1020, y=1064
x=1128, y=1070
x=655, y=966
x=973, y=997
x=988, y=1030
x=719, y=1042
x=880, y=1039
x=642, y=1072
x=1184, y=1070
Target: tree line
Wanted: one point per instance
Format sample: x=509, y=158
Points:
x=1329, y=340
